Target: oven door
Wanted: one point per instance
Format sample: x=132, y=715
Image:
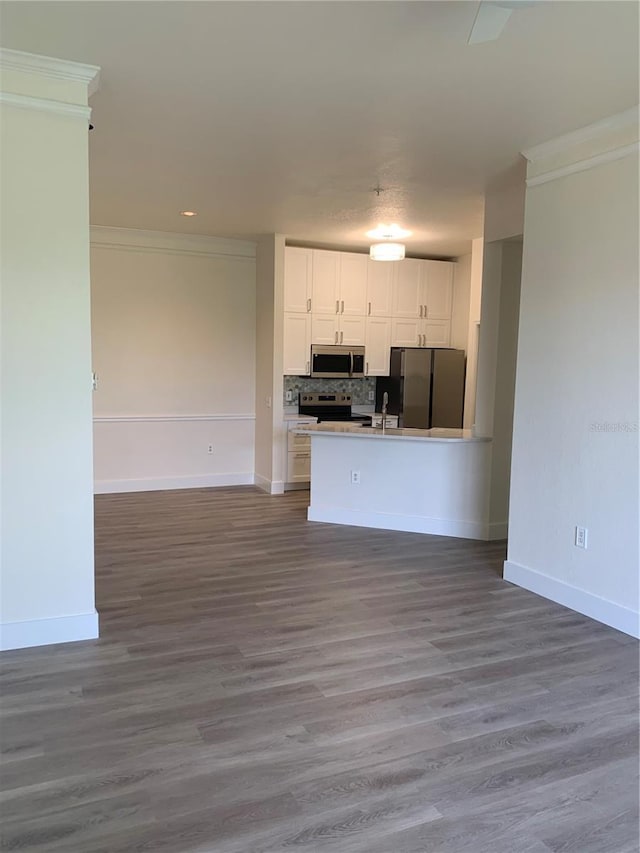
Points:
x=335, y=362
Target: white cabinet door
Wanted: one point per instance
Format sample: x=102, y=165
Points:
x=299, y=466
x=352, y=331
x=325, y=294
x=379, y=289
x=436, y=333
x=325, y=329
x=353, y=284
x=377, y=346
x=405, y=332
x=297, y=279
x=407, y=287
x=297, y=344
x=438, y=290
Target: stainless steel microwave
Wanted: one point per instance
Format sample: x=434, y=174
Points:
x=337, y=362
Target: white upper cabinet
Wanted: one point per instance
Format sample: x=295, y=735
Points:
x=407, y=287
x=325, y=329
x=337, y=329
x=352, y=331
x=436, y=333
x=377, y=346
x=379, y=289
x=297, y=279
x=438, y=290
x=405, y=332
x=353, y=284
x=297, y=344
x=325, y=295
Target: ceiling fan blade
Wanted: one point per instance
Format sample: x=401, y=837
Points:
x=489, y=23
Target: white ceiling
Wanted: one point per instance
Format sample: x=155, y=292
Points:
x=283, y=116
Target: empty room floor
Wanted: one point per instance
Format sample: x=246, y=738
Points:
x=263, y=683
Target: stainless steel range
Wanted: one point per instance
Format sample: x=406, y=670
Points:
x=330, y=407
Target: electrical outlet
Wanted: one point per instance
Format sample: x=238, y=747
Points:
x=355, y=478
x=581, y=537
x=289, y=396
x=372, y=396
x=210, y=448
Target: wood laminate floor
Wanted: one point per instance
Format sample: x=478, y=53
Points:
x=263, y=683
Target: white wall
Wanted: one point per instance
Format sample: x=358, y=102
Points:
x=47, y=592
x=270, y=438
x=461, y=302
x=575, y=442
x=173, y=321
x=473, y=330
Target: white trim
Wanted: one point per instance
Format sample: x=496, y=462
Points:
x=271, y=487
x=45, y=632
x=135, y=240
x=584, y=165
x=107, y=419
x=601, y=609
x=406, y=523
x=620, y=121
x=51, y=67
x=498, y=530
x=44, y=105
x=159, y=484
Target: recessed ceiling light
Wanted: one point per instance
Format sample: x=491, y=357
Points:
x=388, y=232
x=188, y=213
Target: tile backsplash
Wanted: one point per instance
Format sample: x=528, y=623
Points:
x=358, y=388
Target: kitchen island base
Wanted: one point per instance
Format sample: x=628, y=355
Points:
x=413, y=483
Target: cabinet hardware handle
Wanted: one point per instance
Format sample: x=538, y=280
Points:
x=342, y=308
x=336, y=340
x=366, y=369
x=369, y=309
x=421, y=310
x=425, y=311
x=337, y=306
x=341, y=336
x=309, y=304
x=307, y=370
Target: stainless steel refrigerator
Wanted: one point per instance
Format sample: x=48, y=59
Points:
x=425, y=387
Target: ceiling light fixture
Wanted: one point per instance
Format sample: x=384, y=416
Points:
x=388, y=232
x=386, y=252
x=188, y=213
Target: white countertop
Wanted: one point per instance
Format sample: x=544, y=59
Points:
x=348, y=430
x=295, y=417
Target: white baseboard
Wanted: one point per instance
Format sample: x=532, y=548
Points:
x=406, y=523
x=271, y=487
x=498, y=530
x=600, y=609
x=45, y=632
x=154, y=484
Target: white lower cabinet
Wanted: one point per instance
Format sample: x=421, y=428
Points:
x=378, y=342
x=297, y=344
x=298, y=456
x=299, y=466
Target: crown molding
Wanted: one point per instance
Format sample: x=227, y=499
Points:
x=49, y=66
x=26, y=102
x=620, y=121
x=584, y=165
x=132, y=239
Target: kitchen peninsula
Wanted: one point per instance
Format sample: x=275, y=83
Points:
x=433, y=481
